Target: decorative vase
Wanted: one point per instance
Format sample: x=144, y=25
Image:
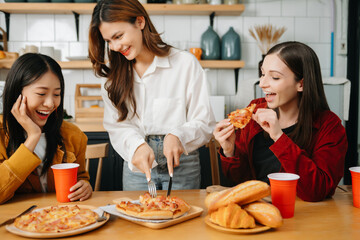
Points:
x=210, y=45
x=230, y=45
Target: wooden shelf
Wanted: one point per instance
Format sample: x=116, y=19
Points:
x=86, y=64
x=227, y=64
x=153, y=9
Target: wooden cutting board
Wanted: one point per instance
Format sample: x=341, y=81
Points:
x=193, y=213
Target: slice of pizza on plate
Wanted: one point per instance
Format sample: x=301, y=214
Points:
x=160, y=207
x=56, y=219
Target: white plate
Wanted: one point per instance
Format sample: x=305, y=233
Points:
x=77, y=58
x=11, y=228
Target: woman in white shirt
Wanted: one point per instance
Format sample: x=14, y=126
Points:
x=155, y=96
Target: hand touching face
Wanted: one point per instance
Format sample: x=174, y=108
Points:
x=268, y=120
x=36, y=103
x=42, y=98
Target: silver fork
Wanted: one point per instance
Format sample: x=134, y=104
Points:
x=152, y=188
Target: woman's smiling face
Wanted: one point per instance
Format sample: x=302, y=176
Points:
x=278, y=83
x=43, y=97
x=124, y=37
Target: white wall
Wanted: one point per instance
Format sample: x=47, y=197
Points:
x=308, y=21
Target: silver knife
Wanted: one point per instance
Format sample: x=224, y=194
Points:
x=169, y=187
x=11, y=220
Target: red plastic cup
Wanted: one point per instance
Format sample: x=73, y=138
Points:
x=355, y=177
x=283, y=192
x=65, y=175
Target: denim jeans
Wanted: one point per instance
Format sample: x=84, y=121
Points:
x=186, y=175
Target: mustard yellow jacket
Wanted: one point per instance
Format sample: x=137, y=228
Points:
x=17, y=172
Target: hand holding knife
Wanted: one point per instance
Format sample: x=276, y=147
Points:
x=170, y=185
x=172, y=151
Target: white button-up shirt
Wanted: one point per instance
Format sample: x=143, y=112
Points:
x=171, y=97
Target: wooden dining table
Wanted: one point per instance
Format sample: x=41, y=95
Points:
x=334, y=218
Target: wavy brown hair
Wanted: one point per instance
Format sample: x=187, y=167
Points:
x=119, y=70
x=304, y=63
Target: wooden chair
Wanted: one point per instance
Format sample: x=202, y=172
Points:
x=213, y=146
x=96, y=151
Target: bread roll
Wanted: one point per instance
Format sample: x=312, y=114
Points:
x=265, y=213
x=232, y=216
x=241, y=194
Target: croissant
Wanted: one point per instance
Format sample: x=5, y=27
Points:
x=232, y=216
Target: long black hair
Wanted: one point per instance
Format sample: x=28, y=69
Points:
x=26, y=70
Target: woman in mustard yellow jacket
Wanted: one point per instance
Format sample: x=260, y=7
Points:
x=33, y=134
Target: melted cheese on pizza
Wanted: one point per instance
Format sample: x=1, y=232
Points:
x=241, y=117
x=56, y=219
x=168, y=206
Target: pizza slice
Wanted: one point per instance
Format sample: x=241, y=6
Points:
x=241, y=117
x=160, y=207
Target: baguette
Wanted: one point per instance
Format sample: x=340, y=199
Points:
x=241, y=194
x=232, y=216
x=265, y=213
x=211, y=197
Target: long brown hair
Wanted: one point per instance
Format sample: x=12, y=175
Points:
x=119, y=71
x=304, y=63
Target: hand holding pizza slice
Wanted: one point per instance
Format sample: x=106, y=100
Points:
x=241, y=117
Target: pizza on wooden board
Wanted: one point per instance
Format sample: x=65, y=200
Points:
x=241, y=117
x=56, y=219
x=160, y=207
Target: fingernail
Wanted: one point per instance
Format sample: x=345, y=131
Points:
x=171, y=175
x=148, y=179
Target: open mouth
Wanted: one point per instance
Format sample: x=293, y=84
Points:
x=269, y=96
x=43, y=114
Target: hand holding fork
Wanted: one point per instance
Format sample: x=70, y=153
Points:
x=143, y=159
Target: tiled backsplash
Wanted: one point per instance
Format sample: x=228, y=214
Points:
x=308, y=21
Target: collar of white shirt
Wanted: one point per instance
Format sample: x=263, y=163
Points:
x=161, y=62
